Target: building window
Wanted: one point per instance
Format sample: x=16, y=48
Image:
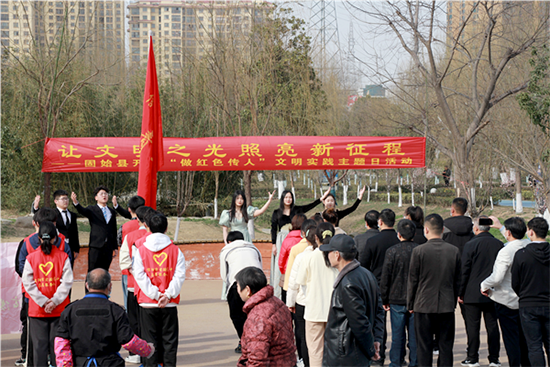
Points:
x=135, y=34
x=134, y=11
x=58, y=11
x=145, y=17
x=176, y=25
x=176, y=18
x=145, y=33
x=176, y=34
x=5, y=17
x=176, y=10
x=4, y=25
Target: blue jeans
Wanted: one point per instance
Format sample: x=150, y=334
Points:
x=125, y=290
x=401, y=320
x=535, y=322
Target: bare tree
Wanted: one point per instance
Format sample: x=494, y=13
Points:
x=462, y=55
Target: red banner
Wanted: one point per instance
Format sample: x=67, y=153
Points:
x=238, y=153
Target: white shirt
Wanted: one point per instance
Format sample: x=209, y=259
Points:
x=500, y=281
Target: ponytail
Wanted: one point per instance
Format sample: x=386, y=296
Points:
x=48, y=234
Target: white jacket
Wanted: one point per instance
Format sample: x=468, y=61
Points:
x=499, y=283
x=319, y=279
x=296, y=293
x=236, y=256
x=156, y=242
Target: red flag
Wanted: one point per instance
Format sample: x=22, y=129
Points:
x=151, y=155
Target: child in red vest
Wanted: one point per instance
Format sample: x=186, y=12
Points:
x=47, y=278
x=159, y=271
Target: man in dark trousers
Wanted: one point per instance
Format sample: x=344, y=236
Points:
x=478, y=260
x=498, y=287
x=355, y=319
x=373, y=259
x=446, y=175
x=432, y=291
x=371, y=224
x=393, y=290
x=531, y=282
x=458, y=228
x=103, y=245
x=92, y=330
x=65, y=221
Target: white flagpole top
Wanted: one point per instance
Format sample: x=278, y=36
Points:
x=150, y=33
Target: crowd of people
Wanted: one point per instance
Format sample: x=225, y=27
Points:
x=91, y=331
x=339, y=290
x=325, y=304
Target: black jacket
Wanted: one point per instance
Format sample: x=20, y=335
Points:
x=458, y=231
x=355, y=320
x=419, y=238
x=70, y=232
x=102, y=234
x=361, y=240
x=434, y=277
x=395, y=273
x=375, y=251
x=478, y=259
x=531, y=275
x=278, y=223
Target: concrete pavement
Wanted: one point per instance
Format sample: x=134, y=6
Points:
x=207, y=336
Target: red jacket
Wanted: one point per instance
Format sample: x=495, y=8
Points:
x=289, y=242
x=268, y=338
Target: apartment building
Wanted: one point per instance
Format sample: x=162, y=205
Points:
x=185, y=30
x=96, y=25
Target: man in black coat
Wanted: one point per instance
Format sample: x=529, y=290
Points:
x=478, y=260
x=65, y=221
x=103, y=244
x=432, y=290
x=371, y=224
x=458, y=228
x=531, y=282
x=372, y=258
x=355, y=320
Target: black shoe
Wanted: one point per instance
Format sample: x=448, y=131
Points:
x=379, y=362
x=20, y=362
x=469, y=363
x=239, y=350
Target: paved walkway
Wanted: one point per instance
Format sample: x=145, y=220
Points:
x=207, y=336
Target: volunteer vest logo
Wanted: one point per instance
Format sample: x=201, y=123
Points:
x=158, y=260
x=46, y=268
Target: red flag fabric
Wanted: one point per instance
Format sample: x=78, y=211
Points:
x=151, y=147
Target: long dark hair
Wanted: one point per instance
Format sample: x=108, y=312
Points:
x=48, y=234
x=244, y=208
x=282, y=204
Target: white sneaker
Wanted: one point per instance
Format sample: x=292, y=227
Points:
x=300, y=363
x=133, y=359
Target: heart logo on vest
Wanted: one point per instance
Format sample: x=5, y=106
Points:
x=160, y=258
x=43, y=268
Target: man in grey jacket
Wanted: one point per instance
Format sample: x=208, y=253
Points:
x=432, y=291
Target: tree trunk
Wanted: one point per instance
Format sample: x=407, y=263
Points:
x=47, y=189
x=247, y=182
x=519, y=201
x=217, y=180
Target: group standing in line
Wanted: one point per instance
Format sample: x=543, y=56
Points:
x=329, y=304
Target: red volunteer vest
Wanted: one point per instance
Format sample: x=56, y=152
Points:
x=138, y=244
x=131, y=238
x=160, y=267
x=30, y=250
x=129, y=227
x=48, y=270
